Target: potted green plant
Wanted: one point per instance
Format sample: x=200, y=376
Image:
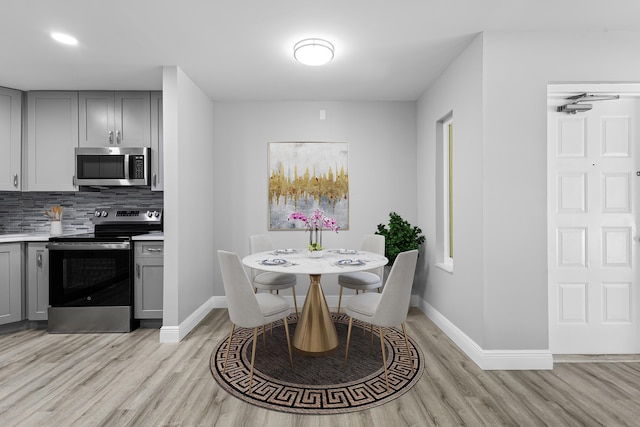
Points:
x=399, y=236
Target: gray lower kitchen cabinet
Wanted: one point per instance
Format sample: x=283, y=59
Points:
x=37, y=281
x=11, y=290
x=149, y=279
x=52, y=136
x=10, y=139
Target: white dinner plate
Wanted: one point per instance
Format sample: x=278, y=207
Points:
x=274, y=261
x=347, y=251
x=349, y=262
x=285, y=251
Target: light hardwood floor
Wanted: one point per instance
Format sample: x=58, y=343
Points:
x=132, y=379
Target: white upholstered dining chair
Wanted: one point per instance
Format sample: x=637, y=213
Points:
x=267, y=280
x=364, y=280
x=248, y=309
x=388, y=308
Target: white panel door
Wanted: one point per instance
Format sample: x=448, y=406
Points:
x=593, y=196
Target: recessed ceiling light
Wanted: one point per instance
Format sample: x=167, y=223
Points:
x=313, y=51
x=64, y=38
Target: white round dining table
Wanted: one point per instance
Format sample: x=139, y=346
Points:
x=315, y=333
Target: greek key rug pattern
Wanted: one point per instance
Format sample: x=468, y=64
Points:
x=318, y=385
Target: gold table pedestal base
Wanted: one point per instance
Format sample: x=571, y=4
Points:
x=315, y=332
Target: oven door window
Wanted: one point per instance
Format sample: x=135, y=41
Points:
x=90, y=278
x=101, y=166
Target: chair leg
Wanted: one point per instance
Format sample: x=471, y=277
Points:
x=286, y=330
x=406, y=342
x=264, y=339
x=371, y=340
x=253, y=356
x=295, y=300
x=226, y=357
x=384, y=359
x=346, y=351
x=339, y=300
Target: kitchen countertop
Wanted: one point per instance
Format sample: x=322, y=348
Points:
x=12, y=238
x=41, y=237
x=154, y=235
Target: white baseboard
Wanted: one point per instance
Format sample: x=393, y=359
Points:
x=175, y=334
x=487, y=359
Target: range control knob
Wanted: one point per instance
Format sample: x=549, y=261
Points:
x=156, y=214
x=105, y=214
x=149, y=214
x=97, y=214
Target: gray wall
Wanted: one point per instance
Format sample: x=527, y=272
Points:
x=504, y=289
x=518, y=67
x=189, y=198
x=457, y=296
x=382, y=168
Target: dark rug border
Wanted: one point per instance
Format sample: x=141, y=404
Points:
x=268, y=384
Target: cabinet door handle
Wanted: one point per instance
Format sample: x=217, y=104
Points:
x=138, y=270
x=39, y=260
x=118, y=137
x=110, y=137
x=15, y=180
x=154, y=180
x=154, y=249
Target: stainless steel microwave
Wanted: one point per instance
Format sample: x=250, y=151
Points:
x=112, y=166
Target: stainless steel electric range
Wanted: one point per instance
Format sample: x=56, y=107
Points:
x=91, y=275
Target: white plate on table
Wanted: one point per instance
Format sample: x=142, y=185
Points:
x=285, y=251
x=347, y=251
x=274, y=262
x=349, y=262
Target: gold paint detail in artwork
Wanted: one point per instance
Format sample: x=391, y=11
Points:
x=309, y=185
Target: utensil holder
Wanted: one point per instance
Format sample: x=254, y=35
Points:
x=56, y=228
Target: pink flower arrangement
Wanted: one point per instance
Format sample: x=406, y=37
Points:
x=317, y=221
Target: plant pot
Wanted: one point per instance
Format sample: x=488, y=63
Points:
x=316, y=254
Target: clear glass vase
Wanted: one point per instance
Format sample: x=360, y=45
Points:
x=315, y=240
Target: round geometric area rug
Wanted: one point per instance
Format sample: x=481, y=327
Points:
x=318, y=385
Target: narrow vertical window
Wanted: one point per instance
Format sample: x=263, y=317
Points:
x=451, y=190
x=447, y=151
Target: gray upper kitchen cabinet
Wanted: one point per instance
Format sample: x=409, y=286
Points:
x=156, y=142
x=115, y=119
x=37, y=281
x=52, y=136
x=10, y=139
x=10, y=283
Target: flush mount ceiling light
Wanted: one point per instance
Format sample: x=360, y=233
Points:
x=313, y=51
x=64, y=38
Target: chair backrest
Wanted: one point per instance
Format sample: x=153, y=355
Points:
x=259, y=243
x=374, y=243
x=244, y=309
x=396, y=295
